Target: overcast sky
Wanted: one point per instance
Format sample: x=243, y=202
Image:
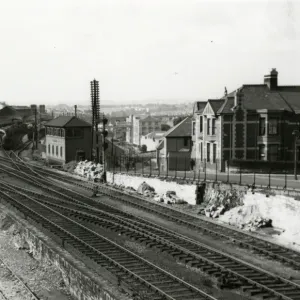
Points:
x=143, y=50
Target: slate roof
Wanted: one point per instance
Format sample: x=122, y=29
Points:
x=259, y=96
x=216, y=104
x=21, y=107
x=199, y=106
x=293, y=99
x=226, y=107
x=68, y=121
x=161, y=145
x=184, y=128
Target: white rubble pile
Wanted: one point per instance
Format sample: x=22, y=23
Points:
x=148, y=191
x=220, y=201
x=90, y=170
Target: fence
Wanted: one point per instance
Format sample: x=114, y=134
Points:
x=183, y=168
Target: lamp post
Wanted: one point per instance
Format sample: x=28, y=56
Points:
x=295, y=133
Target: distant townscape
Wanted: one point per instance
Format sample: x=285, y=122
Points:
x=254, y=123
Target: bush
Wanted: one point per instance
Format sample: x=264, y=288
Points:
x=144, y=148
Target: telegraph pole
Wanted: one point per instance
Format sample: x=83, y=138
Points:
x=95, y=115
x=35, y=129
x=296, y=134
x=104, y=134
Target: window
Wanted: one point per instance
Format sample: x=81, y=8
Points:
x=208, y=126
x=273, y=126
x=61, y=151
x=56, y=150
x=213, y=126
x=273, y=152
x=208, y=152
x=49, y=149
x=194, y=128
x=201, y=152
x=262, y=126
x=262, y=154
x=201, y=123
x=214, y=152
x=52, y=149
x=69, y=132
x=185, y=142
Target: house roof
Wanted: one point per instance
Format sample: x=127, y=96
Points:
x=293, y=99
x=226, y=107
x=199, y=106
x=148, y=118
x=216, y=104
x=67, y=121
x=184, y=128
x=161, y=145
x=259, y=96
x=21, y=107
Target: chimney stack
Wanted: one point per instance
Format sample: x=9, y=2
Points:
x=271, y=80
x=75, y=106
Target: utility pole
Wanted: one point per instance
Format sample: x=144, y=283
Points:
x=95, y=115
x=35, y=129
x=104, y=146
x=295, y=133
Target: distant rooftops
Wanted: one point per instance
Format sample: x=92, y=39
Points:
x=68, y=121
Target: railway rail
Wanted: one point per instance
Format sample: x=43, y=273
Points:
x=19, y=284
x=238, y=273
x=261, y=284
x=240, y=238
x=141, y=274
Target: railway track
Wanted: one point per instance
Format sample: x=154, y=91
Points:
x=19, y=284
x=259, y=283
x=250, y=279
x=241, y=239
x=137, y=272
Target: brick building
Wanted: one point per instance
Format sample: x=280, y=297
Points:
x=254, y=122
x=68, y=138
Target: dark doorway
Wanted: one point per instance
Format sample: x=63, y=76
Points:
x=80, y=155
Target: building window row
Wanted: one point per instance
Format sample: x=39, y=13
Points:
x=55, y=131
x=273, y=124
x=53, y=150
x=211, y=126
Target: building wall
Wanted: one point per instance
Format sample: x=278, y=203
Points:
x=129, y=129
x=141, y=127
x=203, y=139
x=75, y=144
x=170, y=157
x=55, y=142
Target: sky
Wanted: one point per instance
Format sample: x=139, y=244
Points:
x=143, y=50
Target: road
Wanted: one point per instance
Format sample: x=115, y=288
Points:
x=272, y=180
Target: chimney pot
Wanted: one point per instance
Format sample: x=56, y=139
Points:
x=271, y=80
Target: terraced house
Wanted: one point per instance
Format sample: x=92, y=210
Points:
x=256, y=122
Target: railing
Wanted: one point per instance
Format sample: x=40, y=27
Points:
x=190, y=170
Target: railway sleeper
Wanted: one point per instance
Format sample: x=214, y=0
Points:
x=184, y=295
x=196, y=263
x=291, y=292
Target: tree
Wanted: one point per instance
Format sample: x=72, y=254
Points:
x=144, y=148
x=165, y=127
x=178, y=120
